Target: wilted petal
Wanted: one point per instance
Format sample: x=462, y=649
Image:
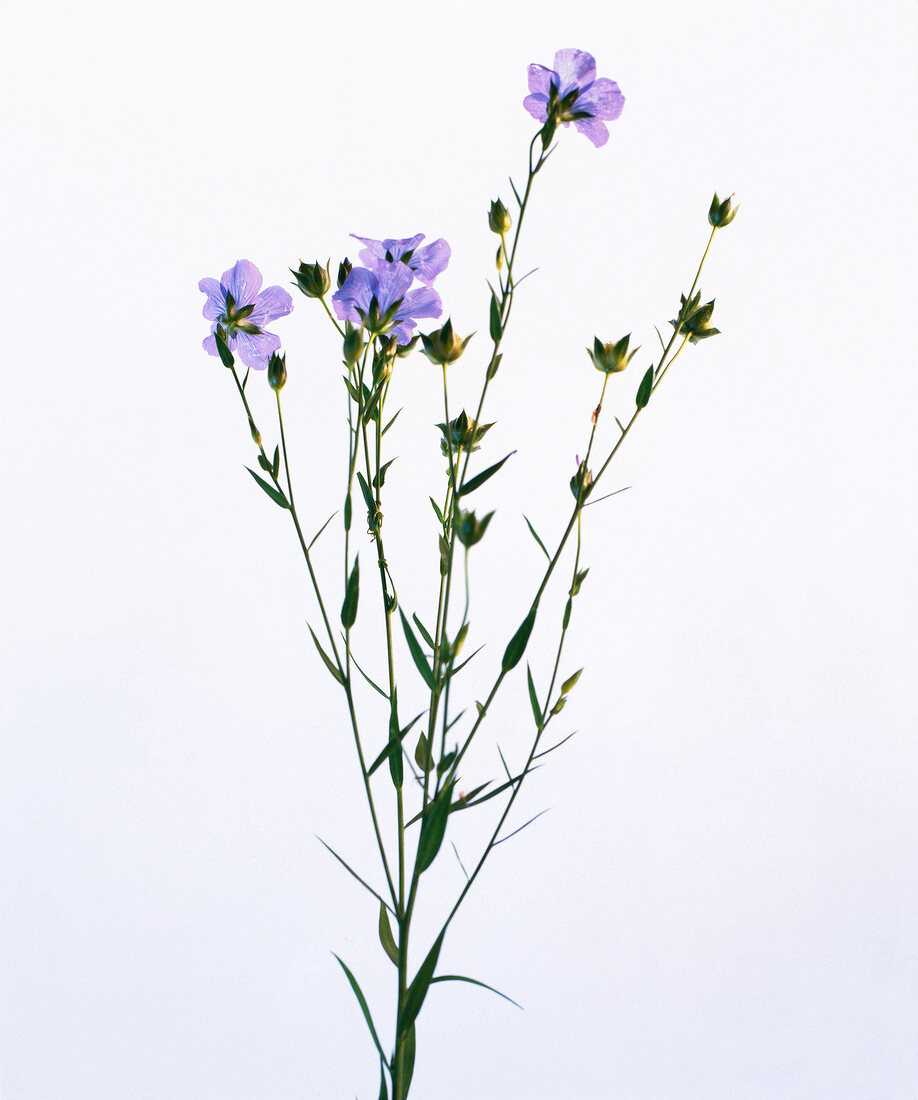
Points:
x=273, y=302
x=216, y=298
x=255, y=351
x=576, y=68
x=540, y=79
x=603, y=99
x=243, y=281
x=429, y=261
x=537, y=106
x=595, y=130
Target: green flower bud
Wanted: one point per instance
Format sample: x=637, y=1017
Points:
x=470, y=529
x=582, y=481
x=402, y=350
x=312, y=279
x=344, y=269
x=256, y=434
x=498, y=218
x=444, y=346
x=462, y=432
x=697, y=325
x=277, y=371
x=353, y=344
x=611, y=358
x=721, y=213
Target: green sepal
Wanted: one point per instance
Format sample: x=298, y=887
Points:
x=417, y=654
x=358, y=993
x=351, y=594
x=517, y=644
x=417, y=991
x=332, y=667
x=275, y=494
x=479, y=479
x=533, y=698
x=226, y=356
x=579, y=578
x=495, y=326
x=385, y=934
x=644, y=390
x=433, y=828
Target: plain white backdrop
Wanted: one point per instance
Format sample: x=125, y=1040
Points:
x=722, y=901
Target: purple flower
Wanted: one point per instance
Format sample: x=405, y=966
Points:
x=379, y=297
x=426, y=262
x=571, y=93
x=236, y=305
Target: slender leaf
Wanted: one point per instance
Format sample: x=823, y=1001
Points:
x=351, y=595
x=330, y=665
x=644, y=390
x=409, y=1047
x=383, y=1090
x=385, y=935
x=422, y=754
x=516, y=193
x=389, y=425
x=425, y=633
x=395, y=744
x=533, y=698
x=384, y=755
x=538, y=540
x=417, y=654
x=436, y=509
x=347, y=512
x=461, y=864
x=368, y=497
x=557, y=745
x=521, y=828
x=479, y=479
x=321, y=529
x=517, y=644
x=275, y=494
x=473, y=981
x=351, y=871
x=433, y=828
x=494, y=325
x=417, y=991
x=264, y=463
x=372, y=683
x=358, y=993
x=275, y=463
x=380, y=478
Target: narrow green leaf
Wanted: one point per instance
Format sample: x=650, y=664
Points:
x=419, y=659
x=351, y=871
x=433, y=828
x=473, y=981
x=409, y=1044
x=385, y=935
x=445, y=762
x=533, y=698
x=565, y=622
x=444, y=556
x=226, y=356
x=380, y=479
x=264, y=463
x=321, y=529
x=480, y=479
x=347, y=512
x=516, y=194
x=358, y=993
x=570, y=681
x=275, y=462
x=538, y=540
x=436, y=509
x=396, y=769
x=422, y=754
x=534, y=817
x=517, y=644
x=425, y=633
x=480, y=707
x=372, y=683
x=557, y=745
x=495, y=326
x=384, y=755
x=389, y=425
x=643, y=393
x=351, y=596
x=494, y=365
x=417, y=991
x=383, y=1090
x=332, y=667
x=368, y=498
x=277, y=496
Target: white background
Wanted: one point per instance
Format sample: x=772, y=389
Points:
x=722, y=901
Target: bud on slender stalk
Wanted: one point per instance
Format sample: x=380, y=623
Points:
x=444, y=346
x=499, y=218
x=721, y=213
x=277, y=371
x=611, y=358
x=312, y=279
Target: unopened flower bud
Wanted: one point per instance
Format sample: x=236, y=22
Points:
x=498, y=218
x=353, y=344
x=277, y=371
x=402, y=350
x=462, y=432
x=344, y=269
x=698, y=323
x=444, y=346
x=721, y=213
x=582, y=481
x=312, y=279
x=470, y=529
x=256, y=434
x=611, y=358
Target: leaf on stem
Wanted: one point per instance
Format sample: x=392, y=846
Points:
x=517, y=644
x=538, y=540
x=521, y=828
x=422, y=754
x=425, y=633
x=480, y=479
x=417, y=654
x=557, y=745
x=351, y=595
x=321, y=529
x=417, y=991
x=385, y=935
x=351, y=871
x=275, y=494
x=644, y=390
x=396, y=770
x=330, y=665
x=533, y=698
x=474, y=981
x=433, y=828
x=358, y=993
x=494, y=324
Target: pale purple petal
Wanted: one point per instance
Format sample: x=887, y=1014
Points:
x=273, y=302
x=423, y=302
x=540, y=80
x=429, y=261
x=216, y=299
x=595, y=130
x=403, y=332
x=255, y=351
x=377, y=250
x=576, y=69
x=603, y=99
x=355, y=293
x=537, y=106
x=393, y=282
x=210, y=345
x=243, y=281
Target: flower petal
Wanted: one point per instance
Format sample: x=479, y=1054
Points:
x=537, y=105
x=273, y=302
x=210, y=345
x=576, y=68
x=356, y=291
x=393, y=281
x=216, y=299
x=423, y=302
x=603, y=99
x=429, y=261
x=595, y=130
x=243, y=281
x=540, y=79
x=255, y=351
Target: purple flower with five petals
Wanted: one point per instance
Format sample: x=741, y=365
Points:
x=426, y=262
x=572, y=93
x=379, y=297
x=235, y=304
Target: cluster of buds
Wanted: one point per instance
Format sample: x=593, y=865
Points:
x=611, y=358
x=444, y=346
x=312, y=279
x=722, y=213
x=470, y=529
x=694, y=319
x=464, y=433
